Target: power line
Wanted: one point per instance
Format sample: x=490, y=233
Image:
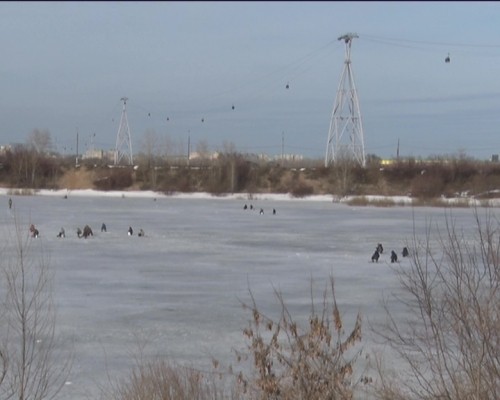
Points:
x=428, y=43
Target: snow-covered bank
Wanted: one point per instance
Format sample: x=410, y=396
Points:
x=152, y=194
x=373, y=199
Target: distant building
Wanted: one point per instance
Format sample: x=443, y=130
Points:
x=206, y=156
x=387, y=162
x=289, y=157
x=98, y=154
x=5, y=148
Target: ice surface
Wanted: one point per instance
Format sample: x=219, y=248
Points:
x=179, y=289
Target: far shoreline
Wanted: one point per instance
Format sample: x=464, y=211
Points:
x=360, y=200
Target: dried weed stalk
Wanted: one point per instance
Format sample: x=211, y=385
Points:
x=316, y=362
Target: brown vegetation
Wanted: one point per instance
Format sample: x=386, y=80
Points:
x=27, y=168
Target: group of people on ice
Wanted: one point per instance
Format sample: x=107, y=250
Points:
x=394, y=257
x=131, y=232
x=261, y=211
x=85, y=233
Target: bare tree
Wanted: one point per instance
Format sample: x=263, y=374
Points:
x=167, y=146
x=34, y=370
x=228, y=148
x=203, y=149
x=448, y=346
x=149, y=146
x=343, y=172
x=40, y=141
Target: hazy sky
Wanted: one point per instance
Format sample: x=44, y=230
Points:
x=65, y=66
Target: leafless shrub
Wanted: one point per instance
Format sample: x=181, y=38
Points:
x=449, y=345
x=32, y=366
x=290, y=363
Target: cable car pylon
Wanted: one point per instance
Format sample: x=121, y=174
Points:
x=123, y=139
x=345, y=136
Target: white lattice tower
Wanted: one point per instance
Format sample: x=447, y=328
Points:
x=123, y=140
x=345, y=137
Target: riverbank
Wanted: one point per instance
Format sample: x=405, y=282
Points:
x=372, y=200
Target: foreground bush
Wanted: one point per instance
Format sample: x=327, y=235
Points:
x=293, y=362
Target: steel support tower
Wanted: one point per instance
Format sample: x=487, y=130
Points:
x=123, y=140
x=345, y=137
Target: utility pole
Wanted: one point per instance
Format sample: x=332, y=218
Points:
x=189, y=149
x=76, y=163
x=282, y=146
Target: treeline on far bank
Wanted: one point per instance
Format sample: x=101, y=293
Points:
x=237, y=173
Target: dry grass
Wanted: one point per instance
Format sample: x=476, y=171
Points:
x=159, y=380
x=77, y=179
x=443, y=203
x=365, y=201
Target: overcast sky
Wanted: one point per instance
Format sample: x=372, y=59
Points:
x=66, y=65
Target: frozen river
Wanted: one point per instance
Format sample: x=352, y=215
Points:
x=178, y=289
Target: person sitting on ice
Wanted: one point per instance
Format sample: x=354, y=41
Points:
x=34, y=231
x=141, y=233
x=130, y=231
x=394, y=257
x=245, y=207
x=87, y=232
x=375, y=256
x=261, y=211
x=61, y=233
x=103, y=227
